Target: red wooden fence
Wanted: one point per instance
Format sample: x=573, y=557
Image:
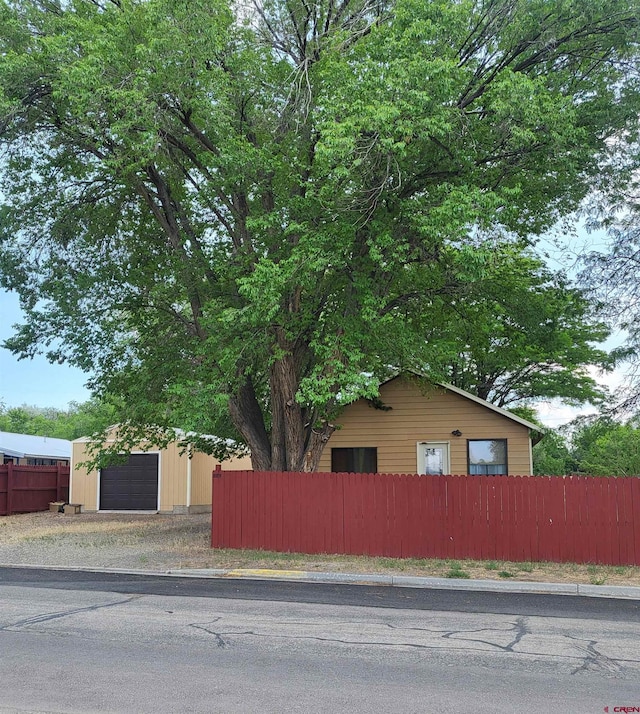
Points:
x=579, y=519
x=24, y=489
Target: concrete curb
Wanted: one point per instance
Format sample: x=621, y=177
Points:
x=405, y=581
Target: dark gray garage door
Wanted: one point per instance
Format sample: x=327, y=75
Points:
x=132, y=486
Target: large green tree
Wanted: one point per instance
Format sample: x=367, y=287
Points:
x=236, y=217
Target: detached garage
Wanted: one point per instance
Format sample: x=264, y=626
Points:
x=150, y=480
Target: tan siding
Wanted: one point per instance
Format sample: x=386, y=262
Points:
x=84, y=485
x=201, y=468
x=174, y=468
x=431, y=416
x=173, y=478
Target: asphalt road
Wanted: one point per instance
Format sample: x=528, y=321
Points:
x=86, y=642
x=329, y=594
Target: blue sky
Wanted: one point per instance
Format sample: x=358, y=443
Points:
x=34, y=382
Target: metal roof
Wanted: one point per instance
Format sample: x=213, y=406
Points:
x=39, y=447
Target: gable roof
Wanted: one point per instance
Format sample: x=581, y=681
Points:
x=483, y=402
x=493, y=407
x=39, y=447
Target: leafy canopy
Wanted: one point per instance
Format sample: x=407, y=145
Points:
x=237, y=217
x=528, y=335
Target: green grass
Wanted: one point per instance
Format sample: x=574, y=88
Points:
x=456, y=571
x=457, y=574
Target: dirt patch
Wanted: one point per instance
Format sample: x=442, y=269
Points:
x=159, y=542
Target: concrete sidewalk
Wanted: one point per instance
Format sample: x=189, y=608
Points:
x=405, y=581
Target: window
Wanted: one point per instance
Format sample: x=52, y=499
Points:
x=487, y=456
x=359, y=460
x=41, y=462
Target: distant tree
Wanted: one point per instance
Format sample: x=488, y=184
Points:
x=238, y=215
x=584, y=432
x=603, y=446
x=78, y=420
x=551, y=455
x=28, y=420
x=616, y=453
x=614, y=278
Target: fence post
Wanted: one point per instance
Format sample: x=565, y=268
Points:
x=9, y=487
x=58, y=482
x=216, y=473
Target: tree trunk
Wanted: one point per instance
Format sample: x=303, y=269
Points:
x=247, y=417
x=296, y=442
x=317, y=441
x=287, y=426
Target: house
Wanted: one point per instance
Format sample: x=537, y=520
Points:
x=167, y=480
x=414, y=427
x=420, y=427
x=28, y=450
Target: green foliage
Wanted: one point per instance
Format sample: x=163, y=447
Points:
x=605, y=447
x=79, y=420
x=530, y=335
x=235, y=219
x=598, y=446
x=551, y=456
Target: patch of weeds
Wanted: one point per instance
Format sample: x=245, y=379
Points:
x=420, y=563
x=144, y=558
x=390, y=563
x=491, y=565
x=596, y=575
x=506, y=574
x=526, y=567
x=456, y=571
x=622, y=570
x=457, y=574
x=567, y=567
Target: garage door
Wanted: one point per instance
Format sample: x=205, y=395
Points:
x=132, y=486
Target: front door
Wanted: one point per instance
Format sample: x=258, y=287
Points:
x=433, y=458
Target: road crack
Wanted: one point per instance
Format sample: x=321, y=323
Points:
x=205, y=627
x=219, y=636
x=50, y=616
x=519, y=627
x=594, y=660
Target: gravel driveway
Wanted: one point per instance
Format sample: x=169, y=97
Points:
x=163, y=542
x=153, y=542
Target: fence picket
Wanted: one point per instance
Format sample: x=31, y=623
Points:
x=520, y=518
x=28, y=489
